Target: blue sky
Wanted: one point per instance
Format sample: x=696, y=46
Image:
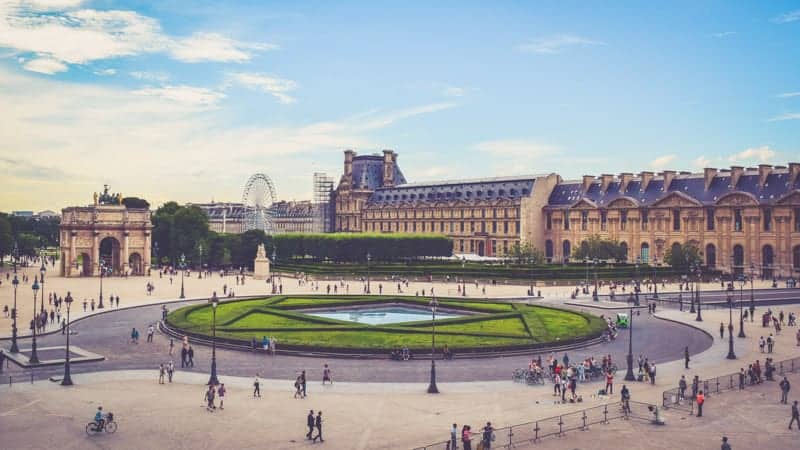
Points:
x=184, y=100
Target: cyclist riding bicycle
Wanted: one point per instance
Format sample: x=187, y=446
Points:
x=99, y=418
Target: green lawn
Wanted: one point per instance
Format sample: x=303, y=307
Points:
x=483, y=325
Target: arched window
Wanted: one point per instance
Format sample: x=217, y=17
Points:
x=623, y=249
x=548, y=250
x=738, y=259
x=796, y=257
x=644, y=253
x=566, y=249
x=767, y=259
x=711, y=255
x=676, y=248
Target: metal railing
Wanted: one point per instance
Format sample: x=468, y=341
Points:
x=671, y=398
x=532, y=432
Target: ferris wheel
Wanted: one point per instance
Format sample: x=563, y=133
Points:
x=258, y=196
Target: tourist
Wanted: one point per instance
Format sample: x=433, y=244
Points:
x=298, y=388
x=92, y=304
x=682, y=388
x=221, y=392
x=256, y=387
x=310, y=423
x=795, y=416
x=725, y=445
x=170, y=370
x=184, y=356
x=84, y=305
x=609, y=383
x=171, y=346
x=190, y=356
x=556, y=385
x=454, y=436
x=326, y=375
x=210, y=407
x=133, y=335
x=625, y=395
x=466, y=437
x=700, y=400
x=686, y=357
x=742, y=378
x=303, y=382
x=318, y=424
x=652, y=373
x=785, y=386
x=770, y=343
x=150, y=331
x=161, y=372
x=721, y=330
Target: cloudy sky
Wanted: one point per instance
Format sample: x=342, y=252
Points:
x=183, y=100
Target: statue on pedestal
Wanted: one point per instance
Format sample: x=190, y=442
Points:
x=261, y=264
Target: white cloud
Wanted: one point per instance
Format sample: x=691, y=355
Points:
x=45, y=65
x=787, y=116
x=701, y=162
x=556, y=43
x=277, y=87
x=378, y=120
x=453, y=91
x=50, y=5
x=150, y=76
x=760, y=154
x=662, y=162
x=789, y=94
x=516, y=148
x=85, y=35
x=214, y=47
x=723, y=34
x=105, y=72
x=791, y=16
x=186, y=95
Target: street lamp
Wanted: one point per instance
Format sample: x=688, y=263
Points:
x=15, y=254
x=213, y=381
x=655, y=283
x=182, y=266
x=272, y=274
x=531, y=280
x=463, y=276
x=200, y=271
x=742, y=282
x=637, y=287
x=432, y=389
x=369, y=258
x=102, y=274
x=630, y=376
x=34, y=357
x=155, y=251
x=14, y=347
x=42, y=271
x=594, y=294
x=752, y=296
x=731, y=354
x=67, y=380
x=586, y=281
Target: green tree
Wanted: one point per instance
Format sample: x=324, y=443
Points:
x=135, y=203
x=162, y=220
x=189, y=228
x=683, y=256
x=6, y=239
x=28, y=244
x=594, y=247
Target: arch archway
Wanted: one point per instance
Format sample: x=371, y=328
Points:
x=675, y=249
x=135, y=264
x=644, y=252
x=711, y=256
x=84, y=263
x=480, y=248
x=623, y=250
x=767, y=260
x=796, y=257
x=548, y=250
x=566, y=250
x=738, y=259
x=109, y=254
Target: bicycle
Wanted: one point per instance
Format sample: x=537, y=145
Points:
x=109, y=426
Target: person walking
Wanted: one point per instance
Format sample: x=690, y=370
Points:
x=298, y=388
x=785, y=386
x=625, y=395
x=609, y=383
x=171, y=346
x=318, y=424
x=795, y=416
x=150, y=331
x=725, y=445
x=161, y=372
x=170, y=370
x=221, y=393
x=256, y=387
x=700, y=400
x=721, y=330
x=454, y=436
x=682, y=388
x=686, y=357
x=184, y=356
x=742, y=378
x=190, y=355
x=303, y=382
x=466, y=437
x=488, y=436
x=210, y=399
x=310, y=423
x=653, y=373
x=326, y=375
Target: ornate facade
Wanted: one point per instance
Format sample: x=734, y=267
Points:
x=105, y=233
x=741, y=220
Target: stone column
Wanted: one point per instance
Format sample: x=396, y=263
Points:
x=146, y=254
x=125, y=251
x=95, y=254
x=73, y=254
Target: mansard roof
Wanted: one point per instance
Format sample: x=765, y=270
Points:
x=368, y=172
x=777, y=185
x=468, y=191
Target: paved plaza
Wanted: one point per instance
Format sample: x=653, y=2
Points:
x=369, y=399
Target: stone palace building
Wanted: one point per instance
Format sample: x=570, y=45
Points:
x=741, y=219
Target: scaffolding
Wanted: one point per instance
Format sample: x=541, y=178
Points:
x=323, y=188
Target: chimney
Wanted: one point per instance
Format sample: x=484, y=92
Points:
x=605, y=181
x=646, y=177
x=736, y=172
x=587, y=181
x=625, y=178
x=348, y=165
x=794, y=172
x=388, y=168
x=763, y=172
x=668, y=176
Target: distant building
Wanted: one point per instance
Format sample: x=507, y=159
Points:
x=22, y=213
x=223, y=217
x=47, y=214
x=285, y=217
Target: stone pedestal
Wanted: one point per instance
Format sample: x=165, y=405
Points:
x=261, y=264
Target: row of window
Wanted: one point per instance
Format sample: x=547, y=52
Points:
x=738, y=220
x=477, y=246
x=452, y=195
x=446, y=213
x=446, y=227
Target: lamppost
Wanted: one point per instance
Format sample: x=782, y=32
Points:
x=155, y=251
x=531, y=280
x=369, y=258
x=594, y=293
x=752, y=296
x=655, y=283
x=42, y=271
x=213, y=381
x=200, y=271
x=731, y=354
x=432, y=389
x=34, y=357
x=699, y=272
x=14, y=347
x=15, y=254
x=272, y=272
x=629, y=376
x=637, y=286
x=463, y=277
x=586, y=281
x=742, y=282
x=102, y=274
x=67, y=380
x=182, y=266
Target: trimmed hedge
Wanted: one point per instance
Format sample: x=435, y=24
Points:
x=349, y=247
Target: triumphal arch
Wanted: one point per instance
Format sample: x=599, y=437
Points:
x=105, y=236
